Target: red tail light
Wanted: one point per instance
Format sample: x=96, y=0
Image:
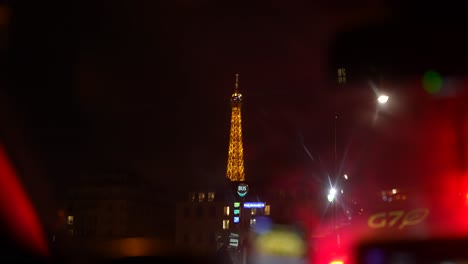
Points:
x=17, y=210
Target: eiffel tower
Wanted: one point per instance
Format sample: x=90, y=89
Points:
x=235, y=166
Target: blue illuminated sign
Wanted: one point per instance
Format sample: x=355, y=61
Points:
x=254, y=205
x=236, y=219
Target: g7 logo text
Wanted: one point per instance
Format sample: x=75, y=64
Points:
x=392, y=218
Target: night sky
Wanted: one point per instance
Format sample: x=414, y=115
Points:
x=144, y=86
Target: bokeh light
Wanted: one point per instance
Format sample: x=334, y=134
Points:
x=263, y=225
x=382, y=99
x=331, y=195
x=432, y=82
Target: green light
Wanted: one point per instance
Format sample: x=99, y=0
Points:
x=236, y=211
x=241, y=194
x=236, y=204
x=432, y=82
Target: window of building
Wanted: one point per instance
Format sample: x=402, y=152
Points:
x=267, y=209
x=282, y=194
x=186, y=212
x=212, y=239
x=192, y=196
x=199, y=211
x=253, y=221
x=292, y=195
x=212, y=211
x=211, y=196
x=201, y=197
x=253, y=211
x=70, y=219
x=301, y=195
x=226, y=210
x=225, y=224
x=70, y=207
x=341, y=75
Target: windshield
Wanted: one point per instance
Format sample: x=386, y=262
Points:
x=197, y=128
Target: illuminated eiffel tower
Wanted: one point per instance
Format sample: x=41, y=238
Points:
x=235, y=165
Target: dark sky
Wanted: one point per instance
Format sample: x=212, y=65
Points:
x=175, y=66
x=144, y=86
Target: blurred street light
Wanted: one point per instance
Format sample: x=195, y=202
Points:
x=382, y=99
x=331, y=195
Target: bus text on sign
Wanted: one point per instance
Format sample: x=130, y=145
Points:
x=242, y=189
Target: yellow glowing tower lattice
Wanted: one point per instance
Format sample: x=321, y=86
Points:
x=235, y=165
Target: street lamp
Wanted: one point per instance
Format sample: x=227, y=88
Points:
x=383, y=99
x=331, y=195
